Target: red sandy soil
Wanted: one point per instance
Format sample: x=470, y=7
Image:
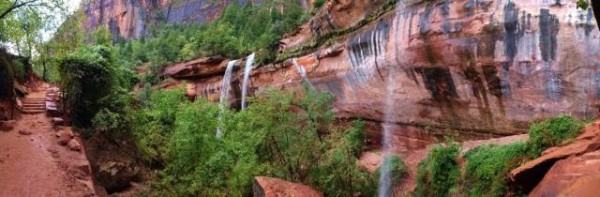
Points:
x=35, y=165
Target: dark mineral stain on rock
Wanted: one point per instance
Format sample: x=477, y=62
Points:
x=512, y=30
x=588, y=22
x=424, y=20
x=549, y=26
x=493, y=81
x=487, y=44
x=438, y=82
x=445, y=11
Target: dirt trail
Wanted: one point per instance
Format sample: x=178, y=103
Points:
x=33, y=164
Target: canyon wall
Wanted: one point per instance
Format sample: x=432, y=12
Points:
x=131, y=18
x=477, y=66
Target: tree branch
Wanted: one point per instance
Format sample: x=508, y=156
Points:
x=14, y=7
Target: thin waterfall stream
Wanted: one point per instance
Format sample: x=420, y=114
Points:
x=224, y=99
x=247, y=69
x=385, y=179
x=302, y=72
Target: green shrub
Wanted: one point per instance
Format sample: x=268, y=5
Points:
x=552, y=132
x=239, y=31
x=280, y=135
x=6, y=76
x=487, y=168
x=20, y=70
x=397, y=167
x=338, y=174
x=87, y=77
x=438, y=174
x=155, y=123
x=318, y=3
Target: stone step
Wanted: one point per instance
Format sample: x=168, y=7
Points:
x=34, y=107
x=31, y=102
x=34, y=104
x=32, y=111
x=34, y=99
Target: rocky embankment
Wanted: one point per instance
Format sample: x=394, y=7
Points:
x=572, y=169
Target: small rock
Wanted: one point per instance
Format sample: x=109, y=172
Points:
x=8, y=125
x=24, y=132
x=74, y=145
x=64, y=136
x=84, y=166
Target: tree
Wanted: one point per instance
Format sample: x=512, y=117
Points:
x=21, y=17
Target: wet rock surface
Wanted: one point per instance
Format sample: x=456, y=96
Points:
x=474, y=67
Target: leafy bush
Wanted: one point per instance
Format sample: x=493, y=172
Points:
x=487, y=167
x=279, y=135
x=552, y=132
x=6, y=76
x=318, y=3
x=155, y=124
x=438, y=174
x=87, y=77
x=241, y=29
x=397, y=167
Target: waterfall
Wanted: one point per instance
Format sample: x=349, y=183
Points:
x=225, y=93
x=302, y=72
x=385, y=179
x=386, y=184
x=247, y=69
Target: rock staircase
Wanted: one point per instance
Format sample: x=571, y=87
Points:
x=37, y=104
x=33, y=105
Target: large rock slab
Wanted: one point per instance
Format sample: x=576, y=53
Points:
x=273, y=187
x=540, y=173
x=578, y=175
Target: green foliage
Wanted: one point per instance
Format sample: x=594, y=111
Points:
x=439, y=174
x=397, y=168
x=22, y=22
x=280, y=134
x=155, y=123
x=552, y=132
x=102, y=36
x=487, y=167
x=19, y=70
x=6, y=76
x=90, y=80
x=332, y=36
x=583, y=4
x=66, y=40
x=318, y=3
x=239, y=31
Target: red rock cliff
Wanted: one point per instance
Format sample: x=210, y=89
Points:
x=477, y=66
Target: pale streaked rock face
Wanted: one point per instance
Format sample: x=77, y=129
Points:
x=478, y=66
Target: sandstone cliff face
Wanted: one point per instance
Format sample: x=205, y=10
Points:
x=477, y=66
x=130, y=18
